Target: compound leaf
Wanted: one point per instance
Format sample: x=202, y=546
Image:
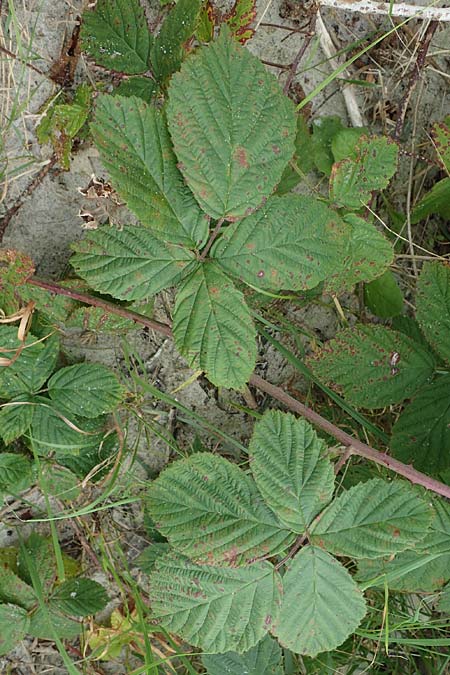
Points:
x=354, y=179
x=179, y=25
x=33, y=366
x=293, y=242
x=79, y=597
x=265, y=658
x=130, y=264
x=211, y=511
x=213, y=327
x=232, y=127
x=373, y=519
x=421, y=435
x=433, y=306
x=295, y=481
x=373, y=366
x=14, y=625
x=368, y=254
x=116, y=36
x=322, y=605
x=218, y=609
x=15, y=418
x=135, y=148
x=85, y=389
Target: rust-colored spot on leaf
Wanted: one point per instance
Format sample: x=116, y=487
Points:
x=240, y=154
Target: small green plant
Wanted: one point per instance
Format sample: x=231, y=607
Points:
x=210, y=223
x=376, y=366
x=33, y=601
x=63, y=121
x=227, y=582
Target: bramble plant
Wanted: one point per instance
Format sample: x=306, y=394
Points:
x=273, y=560
x=210, y=223
x=217, y=589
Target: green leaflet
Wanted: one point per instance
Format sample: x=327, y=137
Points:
x=322, y=605
x=344, y=144
x=85, y=389
x=233, y=130
x=14, y=624
x=437, y=200
x=15, y=473
x=33, y=366
x=135, y=147
x=142, y=87
x=130, y=264
x=295, y=481
x=213, y=327
x=423, y=569
x=15, y=418
x=39, y=557
x=354, y=179
x=421, y=435
x=324, y=131
x=211, y=511
x=147, y=559
x=265, y=658
x=59, y=482
x=53, y=432
x=79, y=597
x=116, y=36
x=218, y=609
x=373, y=366
x=45, y=623
x=292, y=242
x=383, y=296
x=63, y=121
x=302, y=161
x=373, y=519
x=433, y=306
x=168, y=48
x=368, y=255
x=14, y=590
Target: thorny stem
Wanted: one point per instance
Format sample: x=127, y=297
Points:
x=414, y=77
x=358, y=447
x=306, y=42
x=211, y=240
x=103, y=304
